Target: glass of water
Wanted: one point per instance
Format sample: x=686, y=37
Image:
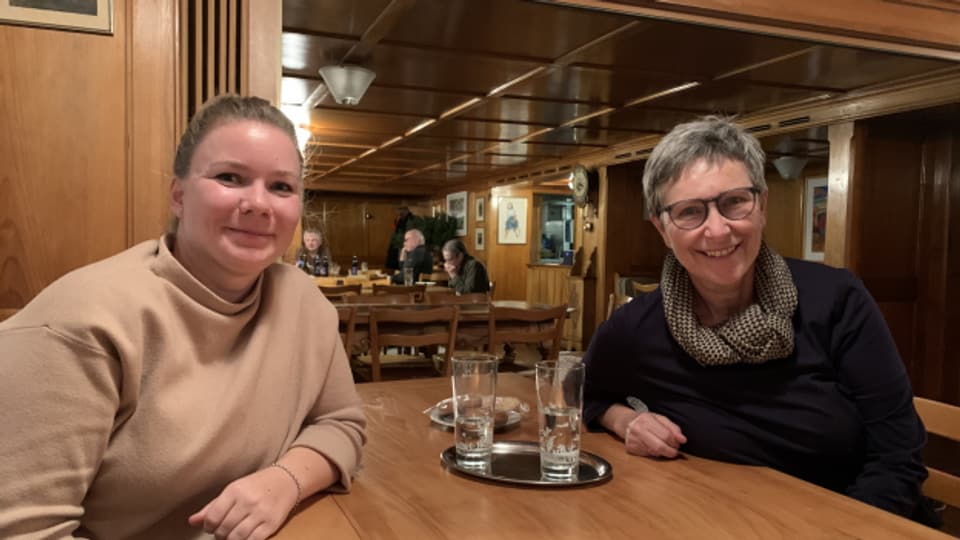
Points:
x=408, y=276
x=560, y=407
x=474, y=393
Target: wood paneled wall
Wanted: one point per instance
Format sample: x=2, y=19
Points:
x=87, y=143
x=904, y=240
x=356, y=225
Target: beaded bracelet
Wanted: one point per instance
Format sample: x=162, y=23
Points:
x=295, y=481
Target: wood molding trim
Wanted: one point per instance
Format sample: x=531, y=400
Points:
x=872, y=24
x=260, y=54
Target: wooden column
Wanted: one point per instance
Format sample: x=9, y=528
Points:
x=840, y=183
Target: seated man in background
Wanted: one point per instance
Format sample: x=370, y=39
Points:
x=467, y=275
x=415, y=256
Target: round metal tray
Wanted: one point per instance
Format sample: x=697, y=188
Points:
x=518, y=462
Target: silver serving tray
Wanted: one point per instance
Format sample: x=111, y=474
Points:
x=518, y=462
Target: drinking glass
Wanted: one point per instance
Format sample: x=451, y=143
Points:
x=559, y=408
x=474, y=383
x=408, y=276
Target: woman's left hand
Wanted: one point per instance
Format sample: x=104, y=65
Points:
x=451, y=269
x=252, y=507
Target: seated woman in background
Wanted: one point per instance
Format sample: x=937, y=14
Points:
x=744, y=356
x=190, y=384
x=467, y=275
x=312, y=250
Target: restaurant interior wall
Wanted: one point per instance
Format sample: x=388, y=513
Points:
x=87, y=143
x=904, y=240
x=357, y=225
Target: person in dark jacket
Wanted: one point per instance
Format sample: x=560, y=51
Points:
x=744, y=356
x=414, y=256
x=467, y=275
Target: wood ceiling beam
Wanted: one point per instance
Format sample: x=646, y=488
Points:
x=899, y=27
x=914, y=93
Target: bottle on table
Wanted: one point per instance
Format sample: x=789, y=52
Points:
x=354, y=266
x=325, y=266
x=316, y=265
x=302, y=262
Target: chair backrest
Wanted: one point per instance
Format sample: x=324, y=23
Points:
x=519, y=325
x=348, y=322
x=614, y=302
x=392, y=327
x=336, y=293
x=404, y=298
x=449, y=297
x=417, y=291
x=944, y=420
x=643, y=288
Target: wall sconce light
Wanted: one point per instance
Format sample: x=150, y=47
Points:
x=347, y=83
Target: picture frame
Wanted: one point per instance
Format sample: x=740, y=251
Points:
x=478, y=240
x=479, y=207
x=457, y=208
x=79, y=15
x=512, y=220
x=815, y=195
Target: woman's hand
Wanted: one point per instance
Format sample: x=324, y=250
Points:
x=252, y=507
x=653, y=435
x=644, y=434
x=451, y=269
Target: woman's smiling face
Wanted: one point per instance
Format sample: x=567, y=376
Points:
x=240, y=203
x=719, y=254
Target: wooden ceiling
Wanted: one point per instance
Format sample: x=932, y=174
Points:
x=476, y=90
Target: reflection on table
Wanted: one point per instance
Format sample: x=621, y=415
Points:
x=403, y=491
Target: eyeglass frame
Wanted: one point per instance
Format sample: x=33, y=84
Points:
x=754, y=191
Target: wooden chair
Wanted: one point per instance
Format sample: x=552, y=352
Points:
x=348, y=323
x=449, y=297
x=402, y=298
x=390, y=327
x=944, y=420
x=336, y=293
x=615, y=302
x=418, y=291
x=643, y=288
x=510, y=326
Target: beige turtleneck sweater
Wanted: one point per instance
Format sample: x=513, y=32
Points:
x=131, y=395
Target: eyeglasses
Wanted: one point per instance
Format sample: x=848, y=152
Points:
x=733, y=204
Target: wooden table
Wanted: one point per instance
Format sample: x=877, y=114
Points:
x=363, y=279
x=404, y=492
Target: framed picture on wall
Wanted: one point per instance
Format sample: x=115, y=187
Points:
x=814, y=218
x=479, y=207
x=457, y=208
x=82, y=15
x=478, y=241
x=512, y=220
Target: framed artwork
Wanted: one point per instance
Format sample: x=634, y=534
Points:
x=814, y=218
x=478, y=241
x=479, y=206
x=457, y=208
x=512, y=220
x=82, y=15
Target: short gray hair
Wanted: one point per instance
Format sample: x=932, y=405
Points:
x=710, y=138
x=455, y=247
x=418, y=234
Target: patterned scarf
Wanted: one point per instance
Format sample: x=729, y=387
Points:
x=762, y=332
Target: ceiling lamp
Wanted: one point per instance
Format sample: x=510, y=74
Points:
x=347, y=83
x=790, y=167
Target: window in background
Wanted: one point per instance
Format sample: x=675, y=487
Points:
x=555, y=228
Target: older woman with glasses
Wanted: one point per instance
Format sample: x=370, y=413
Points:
x=744, y=356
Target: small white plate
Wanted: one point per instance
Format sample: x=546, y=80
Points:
x=514, y=416
x=427, y=283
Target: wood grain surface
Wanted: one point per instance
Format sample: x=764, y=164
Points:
x=404, y=492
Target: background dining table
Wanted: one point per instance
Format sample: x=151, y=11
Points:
x=403, y=491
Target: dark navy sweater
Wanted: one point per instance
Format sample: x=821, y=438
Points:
x=837, y=412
